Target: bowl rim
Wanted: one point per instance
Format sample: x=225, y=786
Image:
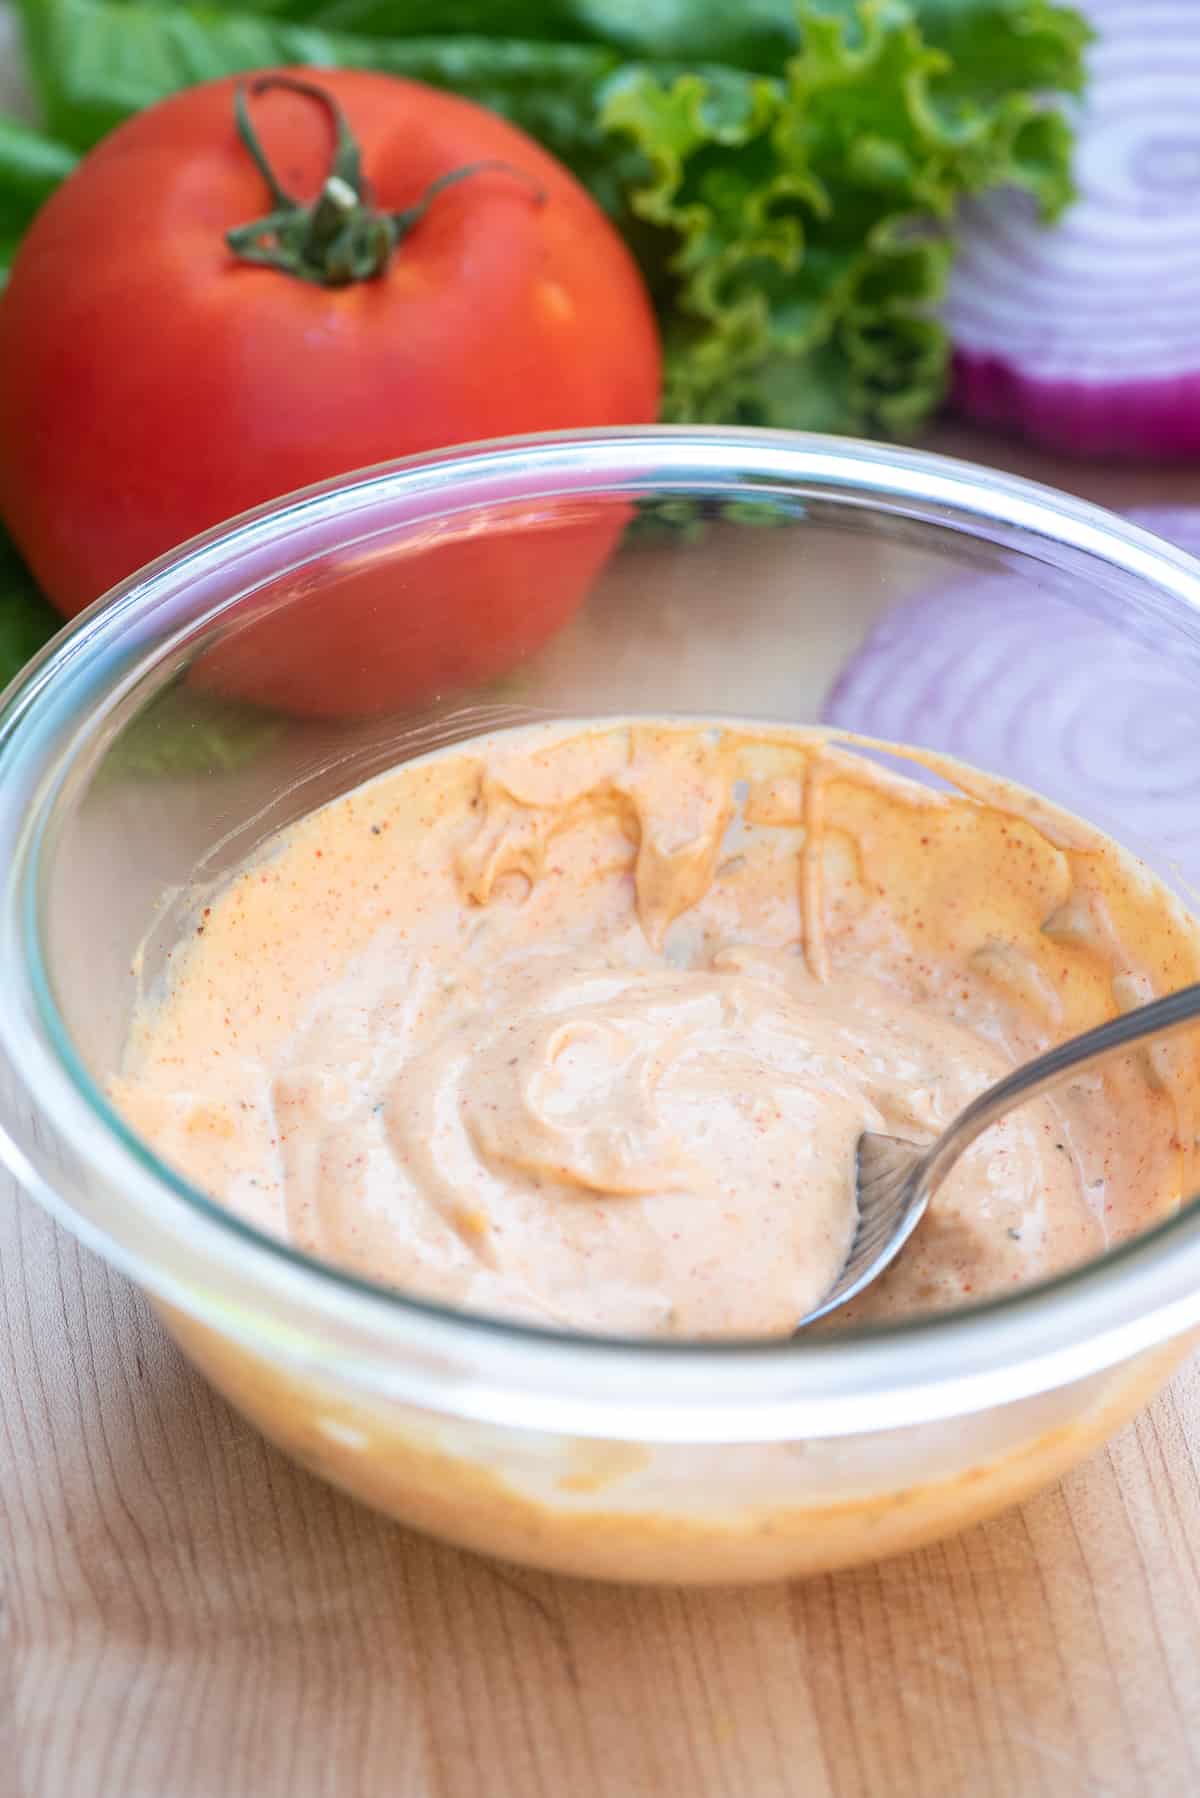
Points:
x=203, y=1260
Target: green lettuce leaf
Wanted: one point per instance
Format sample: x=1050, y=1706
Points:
x=750, y=34
x=813, y=214
x=26, y=618
x=96, y=62
x=997, y=40
x=31, y=167
x=182, y=733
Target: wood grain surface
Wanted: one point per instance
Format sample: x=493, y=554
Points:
x=184, y=1614
x=187, y=1615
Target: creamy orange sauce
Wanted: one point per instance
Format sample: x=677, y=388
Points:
x=581, y=1024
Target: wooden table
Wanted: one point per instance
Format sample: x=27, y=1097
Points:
x=184, y=1614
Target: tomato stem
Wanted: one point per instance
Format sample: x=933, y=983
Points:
x=341, y=237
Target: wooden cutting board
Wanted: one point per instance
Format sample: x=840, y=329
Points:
x=183, y=1614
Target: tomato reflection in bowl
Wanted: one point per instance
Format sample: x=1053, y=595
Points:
x=454, y=604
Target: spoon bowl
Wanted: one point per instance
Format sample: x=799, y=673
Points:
x=895, y=1179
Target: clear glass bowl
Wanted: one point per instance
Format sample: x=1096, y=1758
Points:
x=745, y=569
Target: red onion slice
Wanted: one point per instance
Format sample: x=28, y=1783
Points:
x=1023, y=684
x=1085, y=335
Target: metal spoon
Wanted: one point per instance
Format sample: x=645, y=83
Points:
x=897, y=1179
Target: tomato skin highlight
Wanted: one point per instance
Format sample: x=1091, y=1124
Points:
x=152, y=385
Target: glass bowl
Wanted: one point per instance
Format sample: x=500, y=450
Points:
x=686, y=571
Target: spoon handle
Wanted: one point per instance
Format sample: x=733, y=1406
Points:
x=1162, y=1017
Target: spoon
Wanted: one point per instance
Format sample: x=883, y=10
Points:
x=897, y=1179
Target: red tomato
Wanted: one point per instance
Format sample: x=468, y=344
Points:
x=152, y=383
